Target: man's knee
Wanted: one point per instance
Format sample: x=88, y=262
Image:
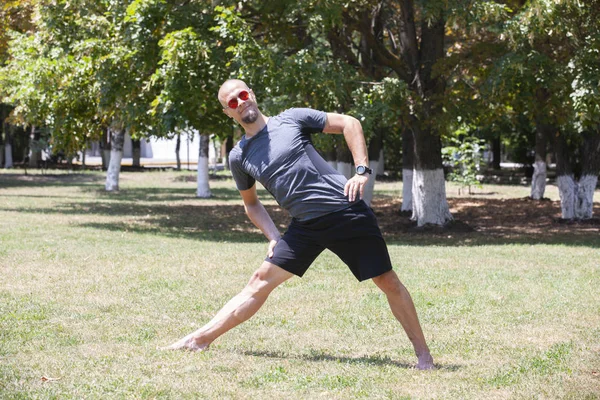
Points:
x=388, y=282
x=266, y=278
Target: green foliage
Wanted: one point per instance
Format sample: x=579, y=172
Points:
x=463, y=157
x=15, y=15
x=585, y=62
x=155, y=66
x=148, y=66
x=381, y=105
x=550, y=71
x=182, y=71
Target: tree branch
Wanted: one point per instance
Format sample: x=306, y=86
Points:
x=408, y=36
x=380, y=53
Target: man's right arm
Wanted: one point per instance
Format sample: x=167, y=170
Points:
x=259, y=217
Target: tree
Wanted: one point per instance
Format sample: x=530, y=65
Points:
x=375, y=40
x=109, y=66
x=405, y=40
x=533, y=74
x=376, y=105
x=15, y=16
x=209, y=48
x=52, y=75
x=560, y=43
x=408, y=40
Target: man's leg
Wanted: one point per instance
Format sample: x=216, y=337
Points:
x=403, y=309
x=239, y=309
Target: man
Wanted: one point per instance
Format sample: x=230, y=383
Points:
x=326, y=209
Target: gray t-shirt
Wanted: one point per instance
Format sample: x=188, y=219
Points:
x=283, y=159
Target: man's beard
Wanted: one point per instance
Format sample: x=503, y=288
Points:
x=250, y=117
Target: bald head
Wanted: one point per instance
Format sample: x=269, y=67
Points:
x=245, y=110
x=229, y=86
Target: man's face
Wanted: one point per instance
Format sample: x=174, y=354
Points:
x=239, y=103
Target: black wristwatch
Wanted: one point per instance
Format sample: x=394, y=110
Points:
x=363, y=169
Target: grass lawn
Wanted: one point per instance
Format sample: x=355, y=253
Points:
x=92, y=283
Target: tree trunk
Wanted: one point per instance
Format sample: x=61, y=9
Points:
x=584, y=203
x=203, y=190
x=430, y=205
x=105, y=149
x=496, y=152
x=565, y=179
x=8, y=156
x=408, y=165
x=228, y=148
x=429, y=186
x=35, y=152
x=345, y=164
x=136, y=153
x=2, y=130
x=177, y=149
x=117, y=140
x=83, y=155
x=538, y=180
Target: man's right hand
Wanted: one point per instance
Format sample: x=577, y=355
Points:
x=272, y=244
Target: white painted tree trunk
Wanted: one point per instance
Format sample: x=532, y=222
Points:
x=538, y=180
x=430, y=205
x=116, y=155
x=345, y=169
x=8, y=158
x=407, y=183
x=567, y=190
x=584, y=202
x=370, y=186
x=114, y=168
x=203, y=189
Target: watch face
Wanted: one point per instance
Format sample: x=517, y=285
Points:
x=360, y=170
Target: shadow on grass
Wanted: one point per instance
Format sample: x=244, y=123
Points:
x=94, y=184
x=15, y=180
x=206, y=234
x=228, y=222
x=217, y=223
x=365, y=360
x=176, y=212
x=161, y=194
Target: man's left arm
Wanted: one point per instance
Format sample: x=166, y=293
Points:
x=351, y=128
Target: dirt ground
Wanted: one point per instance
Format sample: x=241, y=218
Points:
x=520, y=218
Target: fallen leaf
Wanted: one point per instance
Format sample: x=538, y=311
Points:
x=48, y=379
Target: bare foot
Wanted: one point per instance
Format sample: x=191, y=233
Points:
x=425, y=362
x=190, y=343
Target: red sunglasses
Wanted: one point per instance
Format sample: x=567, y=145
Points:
x=233, y=103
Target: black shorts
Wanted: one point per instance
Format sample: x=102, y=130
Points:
x=352, y=234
